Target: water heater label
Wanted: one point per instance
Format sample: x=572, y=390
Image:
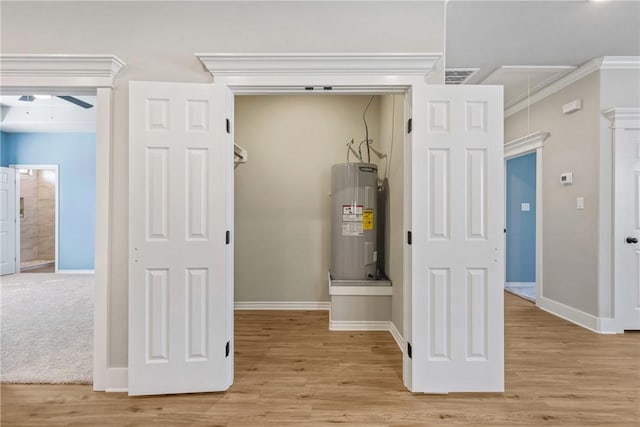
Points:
x=351, y=213
x=352, y=229
x=352, y=220
x=367, y=219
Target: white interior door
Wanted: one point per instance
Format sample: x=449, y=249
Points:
x=457, y=221
x=180, y=315
x=7, y=221
x=627, y=228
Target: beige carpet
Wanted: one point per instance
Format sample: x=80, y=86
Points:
x=47, y=328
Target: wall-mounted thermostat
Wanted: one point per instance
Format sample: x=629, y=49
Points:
x=566, y=178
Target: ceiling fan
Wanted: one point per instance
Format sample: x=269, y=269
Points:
x=71, y=99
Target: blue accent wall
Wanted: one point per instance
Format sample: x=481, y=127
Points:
x=75, y=155
x=521, y=226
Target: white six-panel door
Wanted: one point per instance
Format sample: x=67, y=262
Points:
x=180, y=336
x=627, y=226
x=7, y=221
x=457, y=223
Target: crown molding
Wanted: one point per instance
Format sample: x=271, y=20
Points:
x=59, y=70
x=620, y=63
x=526, y=144
x=602, y=63
x=624, y=118
x=251, y=64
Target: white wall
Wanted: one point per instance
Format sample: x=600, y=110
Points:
x=282, y=203
x=392, y=127
x=157, y=41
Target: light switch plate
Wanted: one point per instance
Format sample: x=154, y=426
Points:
x=525, y=207
x=580, y=203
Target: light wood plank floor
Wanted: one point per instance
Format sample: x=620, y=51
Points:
x=291, y=370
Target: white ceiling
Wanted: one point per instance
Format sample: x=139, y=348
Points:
x=492, y=34
x=46, y=115
x=520, y=81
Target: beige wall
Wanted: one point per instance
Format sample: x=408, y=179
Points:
x=157, y=41
x=570, y=236
x=282, y=203
x=392, y=127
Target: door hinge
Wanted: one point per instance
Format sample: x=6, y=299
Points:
x=409, y=125
x=228, y=126
x=409, y=350
x=228, y=237
x=408, y=237
x=226, y=349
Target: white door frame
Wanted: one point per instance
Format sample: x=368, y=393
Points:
x=56, y=241
x=81, y=75
x=532, y=143
x=331, y=73
x=622, y=120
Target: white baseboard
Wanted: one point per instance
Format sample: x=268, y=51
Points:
x=573, y=315
x=117, y=380
x=76, y=271
x=355, y=325
x=360, y=290
x=397, y=336
x=282, y=305
x=519, y=284
x=608, y=325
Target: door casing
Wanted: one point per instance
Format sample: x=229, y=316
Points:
x=532, y=143
x=93, y=75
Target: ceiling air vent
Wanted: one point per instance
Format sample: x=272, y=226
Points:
x=458, y=76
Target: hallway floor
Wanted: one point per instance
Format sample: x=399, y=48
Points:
x=524, y=290
x=291, y=370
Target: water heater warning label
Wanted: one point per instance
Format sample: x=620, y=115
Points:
x=352, y=220
x=367, y=219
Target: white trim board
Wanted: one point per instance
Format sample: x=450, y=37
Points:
x=76, y=271
x=361, y=290
x=625, y=118
x=525, y=145
x=397, y=336
x=573, y=315
x=359, y=325
x=602, y=63
x=117, y=380
x=248, y=64
x=282, y=305
x=44, y=71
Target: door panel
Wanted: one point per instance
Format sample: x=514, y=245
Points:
x=178, y=286
x=627, y=227
x=7, y=221
x=457, y=248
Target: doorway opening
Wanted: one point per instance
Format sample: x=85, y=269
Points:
x=521, y=211
x=37, y=213
x=283, y=204
x=49, y=142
